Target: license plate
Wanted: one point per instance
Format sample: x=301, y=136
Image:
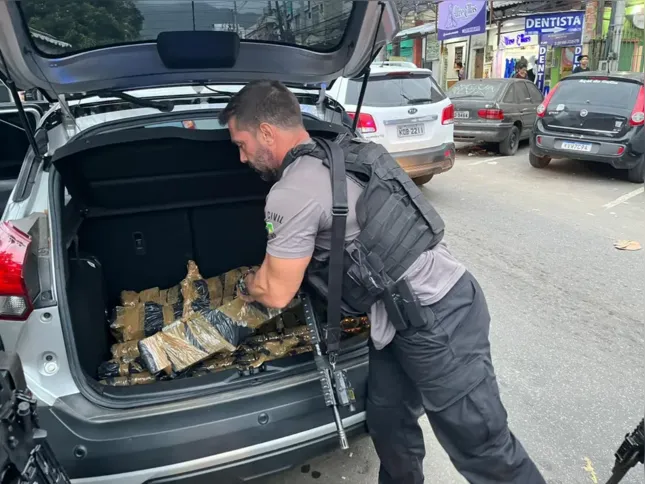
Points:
x=406, y=130
x=462, y=115
x=576, y=146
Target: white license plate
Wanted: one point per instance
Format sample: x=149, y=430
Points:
x=407, y=130
x=575, y=146
x=462, y=115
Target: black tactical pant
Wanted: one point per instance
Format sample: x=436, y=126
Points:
x=446, y=370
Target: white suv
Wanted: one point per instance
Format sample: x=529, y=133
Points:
x=406, y=111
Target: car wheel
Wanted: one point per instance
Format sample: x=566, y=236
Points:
x=509, y=146
x=422, y=180
x=539, y=161
x=637, y=174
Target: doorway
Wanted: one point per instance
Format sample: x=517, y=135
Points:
x=479, y=63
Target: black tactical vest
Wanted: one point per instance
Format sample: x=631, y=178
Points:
x=397, y=224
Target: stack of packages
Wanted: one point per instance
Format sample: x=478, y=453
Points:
x=195, y=326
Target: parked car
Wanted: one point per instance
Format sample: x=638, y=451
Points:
x=500, y=111
x=113, y=202
x=406, y=111
x=596, y=117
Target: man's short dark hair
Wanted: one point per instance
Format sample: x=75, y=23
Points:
x=583, y=56
x=263, y=102
x=521, y=65
x=459, y=64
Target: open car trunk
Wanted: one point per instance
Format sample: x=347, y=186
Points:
x=145, y=201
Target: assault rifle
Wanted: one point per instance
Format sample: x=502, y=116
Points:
x=630, y=453
x=25, y=456
x=336, y=387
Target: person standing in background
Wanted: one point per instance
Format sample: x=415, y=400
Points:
x=459, y=67
x=584, y=64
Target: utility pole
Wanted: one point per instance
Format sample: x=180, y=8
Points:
x=616, y=25
x=192, y=5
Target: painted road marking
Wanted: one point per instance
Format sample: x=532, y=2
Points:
x=592, y=472
x=486, y=160
x=624, y=198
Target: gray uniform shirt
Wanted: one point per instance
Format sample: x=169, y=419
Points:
x=298, y=218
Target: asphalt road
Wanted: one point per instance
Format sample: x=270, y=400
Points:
x=567, y=308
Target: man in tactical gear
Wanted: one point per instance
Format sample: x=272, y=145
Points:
x=429, y=350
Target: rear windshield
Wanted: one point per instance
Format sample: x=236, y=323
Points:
x=390, y=91
x=63, y=27
x=475, y=89
x=596, y=92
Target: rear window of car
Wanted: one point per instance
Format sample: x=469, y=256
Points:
x=59, y=28
x=597, y=92
x=394, y=90
x=475, y=89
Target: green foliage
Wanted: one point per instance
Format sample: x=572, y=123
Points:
x=85, y=23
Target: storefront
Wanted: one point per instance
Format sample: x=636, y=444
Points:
x=515, y=46
x=560, y=44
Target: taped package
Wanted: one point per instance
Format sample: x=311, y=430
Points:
x=146, y=313
x=126, y=381
x=119, y=367
x=181, y=345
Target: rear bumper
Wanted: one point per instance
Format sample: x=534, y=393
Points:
x=475, y=132
x=429, y=161
x=602, y=151
x=227, y=438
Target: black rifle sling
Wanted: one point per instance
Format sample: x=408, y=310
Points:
x=336, y=159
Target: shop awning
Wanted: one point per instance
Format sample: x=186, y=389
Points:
x=418, y=31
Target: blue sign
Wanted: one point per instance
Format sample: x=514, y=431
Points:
x=576, y=54
x=561, y=39
x=555, y=23
x=518, y=40
x=540, y=65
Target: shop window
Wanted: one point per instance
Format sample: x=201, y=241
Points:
x=459, y=54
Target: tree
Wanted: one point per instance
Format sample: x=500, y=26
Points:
x=85, y=23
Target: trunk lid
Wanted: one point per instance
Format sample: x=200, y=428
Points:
x=598, y=106
x=79, y=47
x=471, y=96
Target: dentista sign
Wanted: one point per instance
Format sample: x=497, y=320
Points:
x=554, y=23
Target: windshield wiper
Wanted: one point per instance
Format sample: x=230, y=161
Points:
x=164, y=106
x=419, y=100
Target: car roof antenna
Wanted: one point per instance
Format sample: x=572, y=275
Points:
x=29, y=130
x=366, y=75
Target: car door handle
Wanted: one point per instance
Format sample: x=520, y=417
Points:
x=526, y=110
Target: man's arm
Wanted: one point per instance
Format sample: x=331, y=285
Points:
x=277, y=281
x=292, y=220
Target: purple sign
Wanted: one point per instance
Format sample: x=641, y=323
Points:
x=460, y=18
x=561, y=39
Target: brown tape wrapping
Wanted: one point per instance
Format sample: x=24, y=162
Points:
x=153, y=354
x=128, y=323
x=188, y=289
x=129, y=298
x=206, y=336
x=248, y=314
x=180, y=352
x=151, y=295
x=128, y=350
x=168, y=315
x=218, y=363
x=173, y=294
x=215, y=291
x=124, y=381
x=231, y=278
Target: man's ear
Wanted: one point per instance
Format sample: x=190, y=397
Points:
x=267, y=132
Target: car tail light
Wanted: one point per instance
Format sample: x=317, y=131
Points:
x=497, y=114
x=621, y=150
x=15, y=300
x=366, y=123
x=538, y=140
x=448, y=114
x=638, y=113
x=541, y=109
x=189, y=124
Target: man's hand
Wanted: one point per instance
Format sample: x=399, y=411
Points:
x=277, y=281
